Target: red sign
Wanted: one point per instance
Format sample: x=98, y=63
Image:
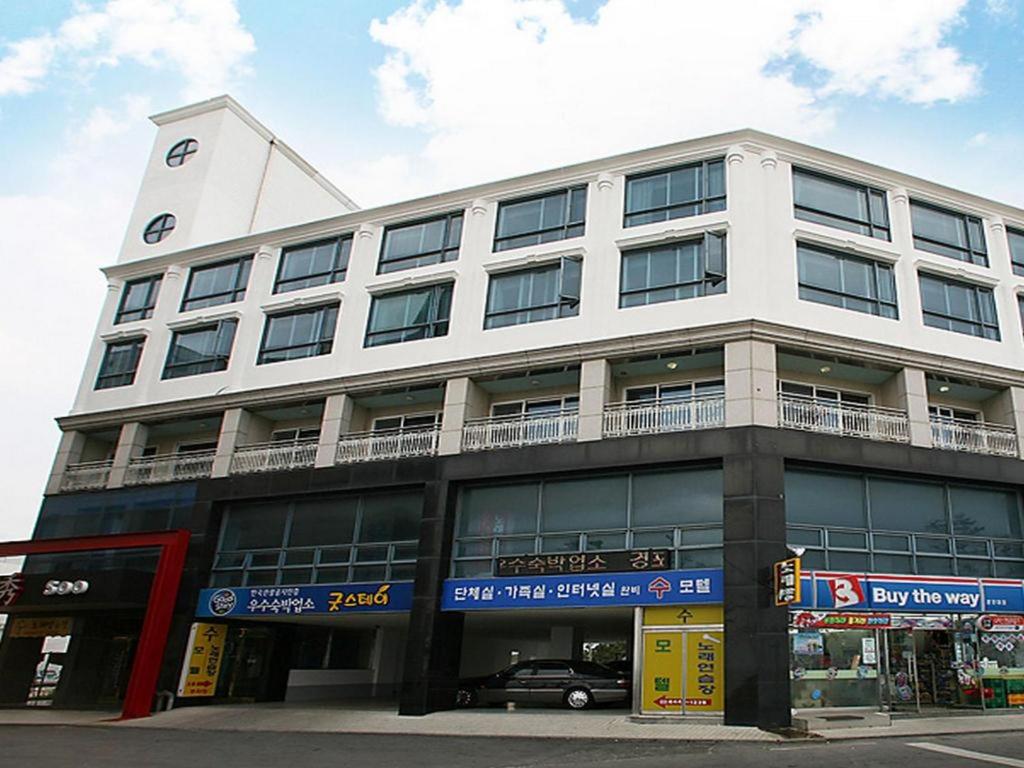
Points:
x=810, y=620
x=668, y=701
x=1001, y=623
x=659, y=586
x=846, y=591
x=11, y=587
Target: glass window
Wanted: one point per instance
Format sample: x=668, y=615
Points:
x=200, y=350
x=323, y=523
x=159, y=228
x=391, y=517
x=675, y=193
x=138, y=300
x=421, y=313
x=120, y=361
x=841, y=280
x=1015, y=238
x=577, y=505
x=985, y=512
x=498, y=510
x=960, y=307
x=303, y=333
x=311, y=264
x=681, y=270
x=542, y=219
x=181, y=152
x=434, y=241
x=678, y=497
x=845, y=493
x=256, y=526
x=904, y=505
x=221, y=283
x=840, y=203
x=948, y=233
x=531, y=295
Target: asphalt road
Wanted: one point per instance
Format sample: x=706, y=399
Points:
x=86, y=747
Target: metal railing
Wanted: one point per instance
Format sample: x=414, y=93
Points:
x=867, y=421
x=974, y=436
x=650, y=416
x=522, y=429
x=274, y=456
x=85, y=476
x=387, y=444
x=169, y=467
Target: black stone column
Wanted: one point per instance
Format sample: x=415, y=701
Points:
x=756, y=641
x=434, y=641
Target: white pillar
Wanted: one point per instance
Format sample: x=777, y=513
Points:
x=69, y=451
x=750, y=384
x=463, y=400
x=130, y=443
x=595, y=392
x=908, y=391
x=336, y=421
x=1008, y=408
x=234, y=431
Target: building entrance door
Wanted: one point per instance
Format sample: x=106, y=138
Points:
x=930, y=668
x=682, y=660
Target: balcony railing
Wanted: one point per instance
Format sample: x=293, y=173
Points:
x=974, y=436
x=85, y=476
x=387, y=444
x=271, y=457
x=169, y=467
x=866, y=421
x=519, y=430
x=651, y=416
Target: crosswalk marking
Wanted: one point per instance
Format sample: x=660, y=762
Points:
x=968, y=754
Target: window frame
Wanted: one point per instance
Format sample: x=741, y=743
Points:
x=435, y=325
x=443, y=255
x=1016, y=254
x=323, y=343
x=976, y=256
x=711, y=278
x=240, y=283
x=181, y=152
x=146, y=311
x=138, y=343
x=564, y=227
x=692, y=384
x=565, y=301
x=876, y=266
x=705, y=201
x=868, y=191
x=220, y=327
x=159, y=228
x=336, y=274
x=977, y=291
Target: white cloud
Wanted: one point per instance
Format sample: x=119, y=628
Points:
x=878, y=47
x=978, y=140
x=203, y=40
x=506, y=86
x=1001, y=10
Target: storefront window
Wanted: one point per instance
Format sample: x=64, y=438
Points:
x=829, y=668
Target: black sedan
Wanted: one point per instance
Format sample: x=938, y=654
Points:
x=573, y=684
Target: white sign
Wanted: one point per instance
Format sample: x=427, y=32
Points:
x=61, y=588
x=868, y=651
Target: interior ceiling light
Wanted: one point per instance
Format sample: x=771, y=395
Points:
x=944, y=388
x=672, y=365
x=825, y=369
x=409, y=398
x=535, y=382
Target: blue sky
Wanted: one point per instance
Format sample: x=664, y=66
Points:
x=395, y=99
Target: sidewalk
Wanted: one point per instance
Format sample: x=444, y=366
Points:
x=930, y=726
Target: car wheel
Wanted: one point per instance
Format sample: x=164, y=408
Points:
x=578, y=698
x=465, y=697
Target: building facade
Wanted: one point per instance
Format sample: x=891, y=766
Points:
x=578, y=414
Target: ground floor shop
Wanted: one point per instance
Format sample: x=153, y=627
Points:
x=889, y=644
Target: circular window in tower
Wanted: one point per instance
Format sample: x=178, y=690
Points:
x=159, y=228
x=181, y=152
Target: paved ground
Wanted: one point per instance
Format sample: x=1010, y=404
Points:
x=75, y=747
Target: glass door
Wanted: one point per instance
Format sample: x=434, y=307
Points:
x=901, y=687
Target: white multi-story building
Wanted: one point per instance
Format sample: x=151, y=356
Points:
x=711, y=348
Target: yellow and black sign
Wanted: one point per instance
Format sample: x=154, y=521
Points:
x=663, y=672
x=682, y=615
x=202, y=665
x=787, y=581
x=683, y=659
x=48, y=627
x=705, y=662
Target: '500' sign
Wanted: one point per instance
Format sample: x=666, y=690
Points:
x=55, y=587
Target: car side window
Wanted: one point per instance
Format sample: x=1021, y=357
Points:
x=525, y=671
x=552, y=668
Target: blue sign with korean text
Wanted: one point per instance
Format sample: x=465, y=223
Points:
x=325, y=599
x=826, y=590
x=584, y=590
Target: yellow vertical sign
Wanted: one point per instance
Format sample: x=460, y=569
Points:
x=663, y=672
x=705, y=662
x=203, y=659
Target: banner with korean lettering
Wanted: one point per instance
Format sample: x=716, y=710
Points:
x=328, y=599
x=203, y=660
x=703, y=585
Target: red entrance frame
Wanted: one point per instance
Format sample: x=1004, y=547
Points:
x=163, y=593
